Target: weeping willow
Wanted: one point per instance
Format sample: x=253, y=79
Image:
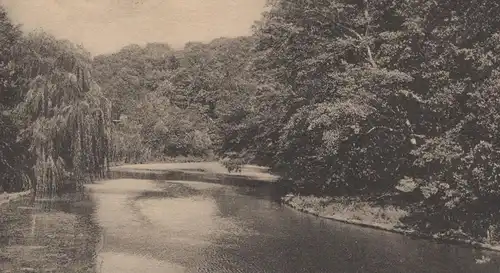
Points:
x=68, y=122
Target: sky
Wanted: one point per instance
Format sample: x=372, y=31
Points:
x=105, y=26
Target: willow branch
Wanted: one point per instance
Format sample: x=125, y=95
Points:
x=392, y=130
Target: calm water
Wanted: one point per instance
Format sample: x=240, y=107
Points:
x=49, y=235
x=146, y=226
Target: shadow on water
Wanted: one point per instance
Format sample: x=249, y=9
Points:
x=279, y=239
x=232, y=228
x=215, y=178
x=260, y=189
x=170, y=189
x=274, y=238
x=50, y=234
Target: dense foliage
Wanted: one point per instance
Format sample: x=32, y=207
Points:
x=13, y=154
x=67, y=115
x=358, y=96
x=168, y=102
x=54, y=118
x=340, y=97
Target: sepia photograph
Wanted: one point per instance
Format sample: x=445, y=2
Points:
x=249, y=136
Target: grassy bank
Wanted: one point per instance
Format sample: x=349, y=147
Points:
x=363, y=212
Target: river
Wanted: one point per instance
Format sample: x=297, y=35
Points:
x=135, y=225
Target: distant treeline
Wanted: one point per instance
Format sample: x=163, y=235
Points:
x=169, y=103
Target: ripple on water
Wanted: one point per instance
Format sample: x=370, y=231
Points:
x=196, y=217
x=49, y=235
x=114, y=262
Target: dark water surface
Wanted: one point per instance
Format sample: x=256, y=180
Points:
x=175, y=226
x=48, y=235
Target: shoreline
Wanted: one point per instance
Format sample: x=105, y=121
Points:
x=342, y=213
x=211, y=172
x=290, y=202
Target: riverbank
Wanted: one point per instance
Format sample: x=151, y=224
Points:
x=211, y=172
x=368, y=214
x=178, y=159
x=206, y=167
x=355, y=210
x=5, y=198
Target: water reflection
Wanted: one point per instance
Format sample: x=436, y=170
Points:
x=175, y=226
x=48, y=235
x=197, y=227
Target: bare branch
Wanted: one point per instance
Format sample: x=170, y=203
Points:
x=6, y=145
x=380, y=127
x=393, y=130
x=367, y=17
x=351, y=31
x=368, y=49
x=370, y=57
x=7, y=164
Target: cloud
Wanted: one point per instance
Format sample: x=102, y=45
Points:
x=106, y=25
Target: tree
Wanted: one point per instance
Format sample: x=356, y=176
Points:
x=201, y=82
x=14, y=158
x=66, y=114
x=354, y=96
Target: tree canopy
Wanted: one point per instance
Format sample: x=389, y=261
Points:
x=357, y=96
x=54, y=118
x=152, y=86
x=338, y=97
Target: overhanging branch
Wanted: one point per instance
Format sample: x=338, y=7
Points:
x=360, y=38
